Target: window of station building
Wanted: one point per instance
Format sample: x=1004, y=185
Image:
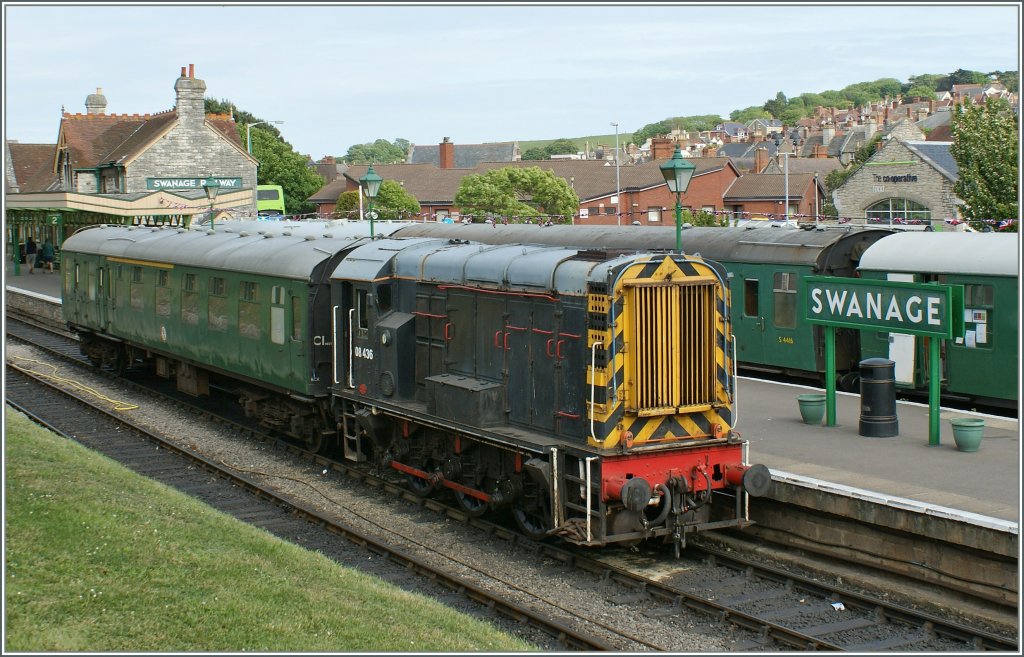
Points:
x=249, y=310
x=897, y=211
x=217, y=305
x=138, y=290
x=784, y=291
x=750, y=302
x=653, y=213
x=189, y=300
x=162, y=294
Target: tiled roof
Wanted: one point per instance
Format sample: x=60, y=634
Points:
x=820, y=165
x=33, y=165
x=96, y=139
x=588, y=178
x=768, y=186
x=936, y=153
x=466, y=155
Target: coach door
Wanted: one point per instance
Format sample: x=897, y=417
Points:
x=749, y=310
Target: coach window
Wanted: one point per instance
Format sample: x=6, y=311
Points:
x=217, y=305
x=277, y=314
x=189, y=300
x=979, y=303
x=784, y=290
x=249, y=309
x=297, y=318
x=750, y=306
x=162, y=293
x=137, y=289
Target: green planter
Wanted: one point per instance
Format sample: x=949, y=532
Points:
x=812, y=408
x=967, y=433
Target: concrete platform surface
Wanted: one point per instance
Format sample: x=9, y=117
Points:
x=903, y=470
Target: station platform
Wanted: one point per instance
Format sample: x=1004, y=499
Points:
x=904, y=471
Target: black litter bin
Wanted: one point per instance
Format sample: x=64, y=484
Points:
x=878, y=398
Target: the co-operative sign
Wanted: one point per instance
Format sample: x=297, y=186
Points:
x=913, y=308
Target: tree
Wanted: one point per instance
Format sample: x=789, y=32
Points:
x=279, y=163
x=933, y=81
x=920, y=91
x=348, y=205
x=517, y=192
x=985, y=147
x=561, y=147
x=535, y=154
x=777, y=106
x=749, y=114
x=1009, y=79
x=960, y=76
x=393, y=202
x=380, y=151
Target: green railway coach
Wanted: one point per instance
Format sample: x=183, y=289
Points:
x=206, y=306
x=982, y=365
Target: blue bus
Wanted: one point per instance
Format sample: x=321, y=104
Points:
x=269, y=200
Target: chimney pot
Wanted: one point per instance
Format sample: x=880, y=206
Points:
x=191, y=70
x=182, y=71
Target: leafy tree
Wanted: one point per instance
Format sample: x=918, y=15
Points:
x=776, y=106
x=650, y=130
x=700, y=122
x=933, y=81
x=561, y=147
x=985, y=147
x=348, y=204
x=749, y=114
x=1009, y=79
x=960, y=76
x=890, y=87
x=920, y=91
x=704, y=219
x=393, y=202
x=279, y=163
x=535, y=154
x=500, y=192
x=380, y=151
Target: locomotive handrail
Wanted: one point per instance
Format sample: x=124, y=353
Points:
x=351, y=349
x=593, y=379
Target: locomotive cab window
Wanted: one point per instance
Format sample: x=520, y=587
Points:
x=383, y=295
x=784, y=291
x=362, y=313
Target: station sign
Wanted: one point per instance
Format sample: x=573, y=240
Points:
x=175, y=184
x=913, y=308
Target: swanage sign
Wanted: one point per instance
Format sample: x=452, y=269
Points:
x=914, y=308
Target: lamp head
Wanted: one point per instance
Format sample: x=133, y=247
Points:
x=677, y=172
x=212, y=187
x=371, y=181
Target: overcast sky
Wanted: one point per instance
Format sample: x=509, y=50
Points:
x=339, y=75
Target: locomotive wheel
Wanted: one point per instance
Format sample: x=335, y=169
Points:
x=533, y=520
x=420, y=487
x=472, y=506
x=315, y=441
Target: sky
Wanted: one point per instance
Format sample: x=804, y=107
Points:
x=344, y=74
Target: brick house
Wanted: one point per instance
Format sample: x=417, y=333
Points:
x=765, y=194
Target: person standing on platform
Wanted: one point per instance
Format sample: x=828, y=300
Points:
x=46, y=255
x=30, y=254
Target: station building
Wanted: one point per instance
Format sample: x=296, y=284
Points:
x=169, y=168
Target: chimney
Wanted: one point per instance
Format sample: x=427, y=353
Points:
x=820, y=151
x=447, y=154
x=828, y=131
x=190, y=107
x=760, y=159
x=96, y=103
x=871, y=127
x=328, y=159
x=662, y=148
x=931, y=107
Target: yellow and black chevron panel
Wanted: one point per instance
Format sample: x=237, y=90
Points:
x=661, y=371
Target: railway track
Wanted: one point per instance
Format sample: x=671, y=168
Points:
x=773, y=607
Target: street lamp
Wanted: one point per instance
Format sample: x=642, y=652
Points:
x=618, y=200
x=248, y=135
x=372, y=183
x=212, y=187
x=677, y=173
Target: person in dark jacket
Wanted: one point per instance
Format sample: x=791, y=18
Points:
x=31, y=248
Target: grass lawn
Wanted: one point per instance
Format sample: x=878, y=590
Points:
x=581, y=142
x=99, y=559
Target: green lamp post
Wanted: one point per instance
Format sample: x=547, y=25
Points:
x=211, y=186
x=677, y=173
x=371, y=182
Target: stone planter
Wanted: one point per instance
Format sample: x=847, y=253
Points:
x=967, y=433
x=812, y=408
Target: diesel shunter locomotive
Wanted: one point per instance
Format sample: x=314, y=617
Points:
x=588, y=393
